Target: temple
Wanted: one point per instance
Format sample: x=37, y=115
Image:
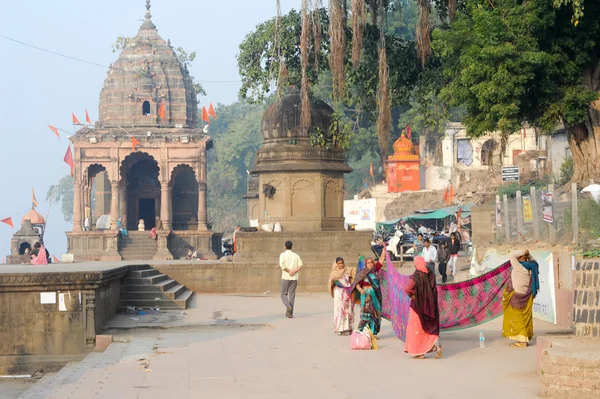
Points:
x=403, y=167
x=143, y=163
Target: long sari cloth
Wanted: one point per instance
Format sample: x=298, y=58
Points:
x=41, y=258
x=462, y=305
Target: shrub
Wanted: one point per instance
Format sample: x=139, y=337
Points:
x=566, y=172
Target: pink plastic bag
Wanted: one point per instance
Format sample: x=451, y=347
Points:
x=360, y=340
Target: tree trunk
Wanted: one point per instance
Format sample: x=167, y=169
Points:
x=584, y=139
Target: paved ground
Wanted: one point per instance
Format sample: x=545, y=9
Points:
x=241, y=346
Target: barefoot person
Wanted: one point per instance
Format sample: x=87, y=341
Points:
x=423, y=328
x=517, y=302
x=290, y=264
x=340, y=280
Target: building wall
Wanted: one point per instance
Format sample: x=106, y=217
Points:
x=587, y=298
x=558, y=152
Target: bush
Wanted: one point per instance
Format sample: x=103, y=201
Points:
x=510, y=189
x=566, y=172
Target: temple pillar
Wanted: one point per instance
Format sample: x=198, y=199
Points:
x=165, y=205
x=123, y=205
x=202, y=226
x=114, y=205
x=77, y=221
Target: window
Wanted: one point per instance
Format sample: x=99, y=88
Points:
x=146, y=108
x=464, y=153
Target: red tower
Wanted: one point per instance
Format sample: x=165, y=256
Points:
x=403, y=168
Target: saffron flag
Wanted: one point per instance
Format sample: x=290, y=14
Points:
x=161, y=111
x=55, y=259
x=8, y=221
x=408, y=131
x=446, y=196
x=371, y=169
x=451, y=194
x=33, y=199
x=459, y=214
x=87, y=117
x=205, y=117
x=134, y=143
x=75, y=120
x=211, y=111
x=55, y=130
x=69, y=160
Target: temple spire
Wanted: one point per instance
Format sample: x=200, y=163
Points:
x=148, y=24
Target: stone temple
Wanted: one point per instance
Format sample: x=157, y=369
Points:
x=148, y=98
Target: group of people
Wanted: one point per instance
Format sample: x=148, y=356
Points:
x=447, y=256
x=349, y=286
x=39, y=254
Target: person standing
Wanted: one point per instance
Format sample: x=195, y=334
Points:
x=290, y=264
x=368, y=286
x=339, y=282
x=430, y=255
x=443, y=258
x=517, y=302
x=418, y=245
x=454, y=248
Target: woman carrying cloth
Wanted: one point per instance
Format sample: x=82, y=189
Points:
x=340, y=280
x=517, y=302
x=367, y=285
x=423, y=328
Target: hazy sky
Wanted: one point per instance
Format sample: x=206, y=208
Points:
x=39, y=89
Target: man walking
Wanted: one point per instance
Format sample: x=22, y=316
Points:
x=430, y=255
x=290, y=264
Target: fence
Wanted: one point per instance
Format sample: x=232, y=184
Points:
x=545, y=215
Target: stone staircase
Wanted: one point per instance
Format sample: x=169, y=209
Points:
x=145, y=287
x=137, y=246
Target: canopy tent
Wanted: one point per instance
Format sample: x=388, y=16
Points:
x=429, y=218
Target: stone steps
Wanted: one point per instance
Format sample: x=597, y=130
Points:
x=137, y=246
x=145, y=287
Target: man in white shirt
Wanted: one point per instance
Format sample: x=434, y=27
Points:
x=422, y=229
x=290, y=264
x=430, y=255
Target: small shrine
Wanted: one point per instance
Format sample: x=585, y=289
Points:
x=403, y=168
x=21, y=243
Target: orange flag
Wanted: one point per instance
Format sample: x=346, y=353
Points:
x=69, y=160
x=33, y=199
x=8, y=221
x=408, y=132
x=211, y=111
x=55, y=130
x=134, y=143
x=75, y=120
x=371, y=169
x=205, y=117
x=446, y=196
x=451, y=195
x=55, y=259
x=161, y=111
x=87, y=117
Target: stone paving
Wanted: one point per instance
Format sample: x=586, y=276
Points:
x=241, y=346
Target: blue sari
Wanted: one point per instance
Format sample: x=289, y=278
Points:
x=371, y=299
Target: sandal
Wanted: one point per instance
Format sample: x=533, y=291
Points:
x=419, y=357
x=519, y=345
x=438, y=352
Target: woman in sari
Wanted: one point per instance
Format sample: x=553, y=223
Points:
x=368, y=286
x=120, y=228
x=340, y=280
x=517, y=302
x=423, y=328
x=39, y=255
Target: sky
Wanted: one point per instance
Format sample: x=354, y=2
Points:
x=38, y=89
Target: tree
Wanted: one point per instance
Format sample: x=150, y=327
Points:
x=64, y=195
x=510, y=62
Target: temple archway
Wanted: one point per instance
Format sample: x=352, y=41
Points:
x=142, y=190
x=185, y=192
x=487, y=152
x=96, y=196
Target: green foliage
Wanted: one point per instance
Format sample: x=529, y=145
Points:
x=510, y=61
x=510, y=189
x=64, y=195
x=236, y=134
x=566, y=172
x=337, y=136
x=592, y=253
x=589, y=217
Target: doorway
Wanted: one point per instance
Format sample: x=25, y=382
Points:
x=147, y=212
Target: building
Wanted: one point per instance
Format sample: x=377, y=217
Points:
x=143, y=160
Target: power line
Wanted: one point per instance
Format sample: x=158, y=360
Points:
x=94, y=63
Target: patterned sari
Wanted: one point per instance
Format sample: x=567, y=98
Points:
x=371, y=299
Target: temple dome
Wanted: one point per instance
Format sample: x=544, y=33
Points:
x=404, y=149
x=34, y=217
x=146, y=75
x=281, y=121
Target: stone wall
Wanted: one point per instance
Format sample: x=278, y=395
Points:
x=587, y=298
x=42, y=336
x=93, y=245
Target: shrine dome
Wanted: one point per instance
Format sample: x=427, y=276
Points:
x=281, y=121
x=146, y=76
x=404, y=149
x=34, y=217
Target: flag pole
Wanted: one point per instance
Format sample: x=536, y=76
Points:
x=52, y=198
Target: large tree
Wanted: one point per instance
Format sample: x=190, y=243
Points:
x=510, y=62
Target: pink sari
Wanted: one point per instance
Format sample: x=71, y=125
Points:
x=418, y=342
x=41, y=258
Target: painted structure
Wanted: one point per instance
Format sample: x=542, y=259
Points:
x=148, y=98
x=403, y=168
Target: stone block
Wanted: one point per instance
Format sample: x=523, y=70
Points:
x=103, y=342
x=67, y=258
